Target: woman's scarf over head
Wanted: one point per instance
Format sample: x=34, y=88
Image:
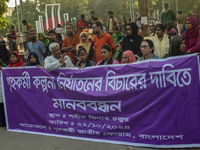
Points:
x=37, y=60
x=192, y=34
x=19, y=63
x=134, y=29
x=45, y=41
x=175, y=43
x=85, y=44
x=131, y=56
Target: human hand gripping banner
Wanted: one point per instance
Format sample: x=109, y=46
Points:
x=154, y=103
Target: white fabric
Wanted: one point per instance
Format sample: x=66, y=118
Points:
x=51, y=63
x=60, y=30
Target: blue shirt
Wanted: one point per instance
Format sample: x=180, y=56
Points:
x=38, y=48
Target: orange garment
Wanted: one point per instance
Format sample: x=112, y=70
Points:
x=90, y=31
x=99, y=42
x=73, y=42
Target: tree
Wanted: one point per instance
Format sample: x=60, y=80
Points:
x=3, y=9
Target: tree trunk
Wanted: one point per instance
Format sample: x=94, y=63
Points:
x=144, y=11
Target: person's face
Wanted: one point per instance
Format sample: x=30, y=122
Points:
x=83, y=38
x=95, y=28
x=83, y=56
x=41, y=38
x=9, y=39
x=105, y=54
x=32, y=59
x=92, y=14
x=159, y=32
x=52, y=36
x=13, y=59
x=145, y=49
x=111, y=15
x=125, y=59
x=70, y=29
x=33, y=36
x=188, y=25
x=166, y=6
x=82, y=18
x=129, y=30
x=182, y=46
x=56, y=52
x=195, y=15
x=24, y=24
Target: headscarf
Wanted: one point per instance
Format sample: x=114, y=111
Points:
x=191, y=35
x=45, y=41
x=85, y=44
x=3, y=51
x=131, y=56
x=174, y=49
x=37, y=60
x=19, y=63
x=134, y=29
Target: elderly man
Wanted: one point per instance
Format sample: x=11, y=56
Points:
x=167, y=14
x=56, y=60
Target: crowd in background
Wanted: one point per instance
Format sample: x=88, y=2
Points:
x=107, y=44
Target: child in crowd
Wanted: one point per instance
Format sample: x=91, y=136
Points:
x=128, y=57
x=33, y=59
x=15, y=60
x=84, y=61
x=106, y=53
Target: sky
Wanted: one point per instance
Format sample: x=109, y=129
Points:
x=12, y=3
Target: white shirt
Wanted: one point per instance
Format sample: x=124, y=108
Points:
x=60, y=30
x=51, y=63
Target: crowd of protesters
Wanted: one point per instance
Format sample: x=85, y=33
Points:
x=104, y=46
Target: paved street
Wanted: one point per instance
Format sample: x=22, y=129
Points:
x=23, y=141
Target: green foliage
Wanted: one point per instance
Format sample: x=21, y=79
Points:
x=3, y=9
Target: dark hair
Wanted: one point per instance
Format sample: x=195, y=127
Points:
x=116, y=28
x=92, y=12
x=129, y=19
x=110, y=12
x=81, y=48
x=59, y=37
x=107, y=47
x=31, y=30
x=166, y=4
x=9, y=36
x=150, y=43
x=82, y=16
x=52, y=31
x=12, y=27
x=24, y=21
x=59, y=25
x=134, y=27
x=70, y=24
x=14, y=54
x=99, y=24
x=161, y=26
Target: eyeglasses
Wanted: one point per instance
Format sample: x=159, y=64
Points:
x=141, y=47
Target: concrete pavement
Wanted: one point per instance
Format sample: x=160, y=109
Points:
x=24, y=141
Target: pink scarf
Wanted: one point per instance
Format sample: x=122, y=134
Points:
x=192, y=34
x=131, y=56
